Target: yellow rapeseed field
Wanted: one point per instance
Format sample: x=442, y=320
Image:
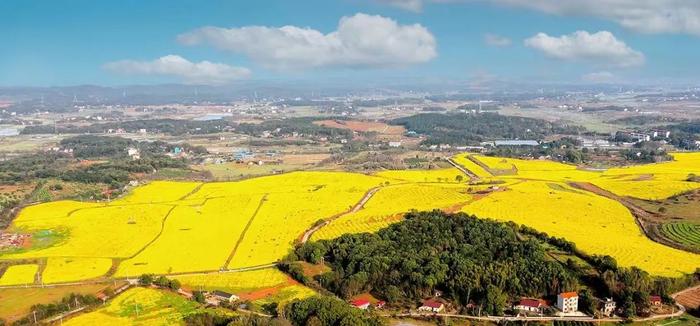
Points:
x=19, y=274
x=59, y=270
x=648, y=181
x=208, y=232
x=52, y=210
x=176, y=227
x=158, y=192
x=464, y=161
x=293, y=203
x=438, y=175
x=107, y=231
x=596, y=224
x=387, y=204
x=235, y=282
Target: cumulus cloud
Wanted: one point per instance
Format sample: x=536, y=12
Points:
x=360, y=41
x=496, y=40
x=203, y=72
x=600, y=48
x=646, y=16
x=599, y=77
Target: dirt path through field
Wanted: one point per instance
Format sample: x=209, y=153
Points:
x=245, y=230
x=368, y=195
x=464, y=170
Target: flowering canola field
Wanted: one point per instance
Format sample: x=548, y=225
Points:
x=389, y=203
x=19, y=274
x=187, y=227
x=648, y=181
x=596, y=224
x=176, y=227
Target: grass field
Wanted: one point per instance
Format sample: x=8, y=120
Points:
x=17, y=303
x=234, y=171
x=140, y=306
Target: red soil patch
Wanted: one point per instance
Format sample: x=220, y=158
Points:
x=314, y=269
x=263, y=293
x=362, y=126
x=85, y=163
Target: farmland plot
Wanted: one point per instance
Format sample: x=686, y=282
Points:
x=596, y=224
x=207, y=233
x=59, y=269
x=19, y=274
x=388, y=205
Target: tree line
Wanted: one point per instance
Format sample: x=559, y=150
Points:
x=470, y=129
x=477, y=264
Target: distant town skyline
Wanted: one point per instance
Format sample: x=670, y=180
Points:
x=59, y=43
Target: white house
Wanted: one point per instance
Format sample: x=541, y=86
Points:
x=607, y=306
x=529, y=305
x=567, y=302
x=432, y=306
x=224, y=296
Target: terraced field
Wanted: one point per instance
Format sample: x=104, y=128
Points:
x=685, y=233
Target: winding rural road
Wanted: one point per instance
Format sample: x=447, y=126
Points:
x=368, y=195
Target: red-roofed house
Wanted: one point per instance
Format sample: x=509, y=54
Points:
x=432, y=306
x=567, y=302
x=360, y=304
x=655, y=300
x=531, y=305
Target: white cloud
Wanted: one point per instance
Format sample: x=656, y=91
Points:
x=360, y=41
x=203, y=72
x=410, y=5
x=600, y=48
x=496, y=40
x=645, y=16
x=599, y=77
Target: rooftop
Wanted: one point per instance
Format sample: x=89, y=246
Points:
x=568, y=295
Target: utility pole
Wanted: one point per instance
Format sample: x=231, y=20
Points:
x=34, y=312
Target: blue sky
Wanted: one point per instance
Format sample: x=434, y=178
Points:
x=49, y=43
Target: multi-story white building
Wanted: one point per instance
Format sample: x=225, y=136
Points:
x=567, y=302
